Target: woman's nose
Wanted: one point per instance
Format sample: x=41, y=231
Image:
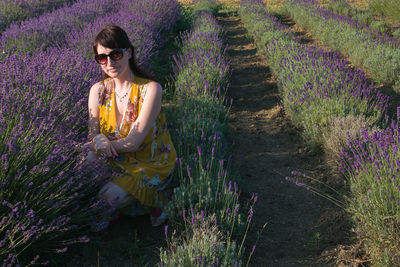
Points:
x=110, y=62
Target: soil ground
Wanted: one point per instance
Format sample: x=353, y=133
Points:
x=130, y=242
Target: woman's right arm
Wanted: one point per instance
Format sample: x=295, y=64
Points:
x=93, y=123
x=100, y=145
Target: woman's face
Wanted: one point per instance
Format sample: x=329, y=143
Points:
x=114, y=68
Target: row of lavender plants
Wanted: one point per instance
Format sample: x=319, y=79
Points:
x=316, y=85
x=46, y=188
x=363, y=17
x=205, y=206
x=15, y=11
x=49, y=29
x=389, y=8
x=379, y=56
x=338, y=108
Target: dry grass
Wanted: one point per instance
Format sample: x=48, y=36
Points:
x=185, y=2
x=335, y=135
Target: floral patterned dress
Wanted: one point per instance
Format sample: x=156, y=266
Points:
x=145, y=173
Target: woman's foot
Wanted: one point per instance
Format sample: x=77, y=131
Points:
x=102, y=224
x=158, y=217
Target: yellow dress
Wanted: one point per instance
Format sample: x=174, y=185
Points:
x=145, y=173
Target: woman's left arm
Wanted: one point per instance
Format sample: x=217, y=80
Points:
x=151, y=107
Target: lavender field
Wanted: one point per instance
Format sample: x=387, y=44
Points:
x=258, y=95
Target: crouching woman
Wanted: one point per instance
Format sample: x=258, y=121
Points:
x=128, y=128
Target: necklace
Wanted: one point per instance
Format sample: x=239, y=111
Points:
x=121, y=98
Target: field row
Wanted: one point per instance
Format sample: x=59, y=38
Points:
x=205, y=208
x=379, y=55
x=338, y=110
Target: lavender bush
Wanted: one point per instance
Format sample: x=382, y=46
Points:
x=47, y=189
x=380, y=56
x=342, y=7
x=204, y=188
x=318, y=86
x=209, y=6
x=200, y=116
x=371, y=164
x=12, y=11
x=202, y=244
x=198, y=123
x=202, y=68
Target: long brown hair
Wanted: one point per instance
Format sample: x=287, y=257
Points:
x=113, y=36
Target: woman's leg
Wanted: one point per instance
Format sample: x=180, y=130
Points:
x=115, y=196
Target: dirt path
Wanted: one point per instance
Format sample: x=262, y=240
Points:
x=300, y=224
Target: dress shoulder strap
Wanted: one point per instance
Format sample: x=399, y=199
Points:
x=105, y=91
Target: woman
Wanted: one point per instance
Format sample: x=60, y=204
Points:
x=127, y=127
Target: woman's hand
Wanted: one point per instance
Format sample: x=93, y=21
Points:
x=101, y=146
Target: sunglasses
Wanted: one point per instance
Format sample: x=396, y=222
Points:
x=115, y=55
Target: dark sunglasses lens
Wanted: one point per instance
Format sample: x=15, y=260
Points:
x=116, y=55
x=101, y=59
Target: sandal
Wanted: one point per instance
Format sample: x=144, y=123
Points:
x=102, y=224
x=158, y=217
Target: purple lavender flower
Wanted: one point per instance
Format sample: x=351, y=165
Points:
x=236, y=209
x=251, y=212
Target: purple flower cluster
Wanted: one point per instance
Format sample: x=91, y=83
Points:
x=15, y=11
x=375, y=153
x=47, y=190
x=371, y=163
